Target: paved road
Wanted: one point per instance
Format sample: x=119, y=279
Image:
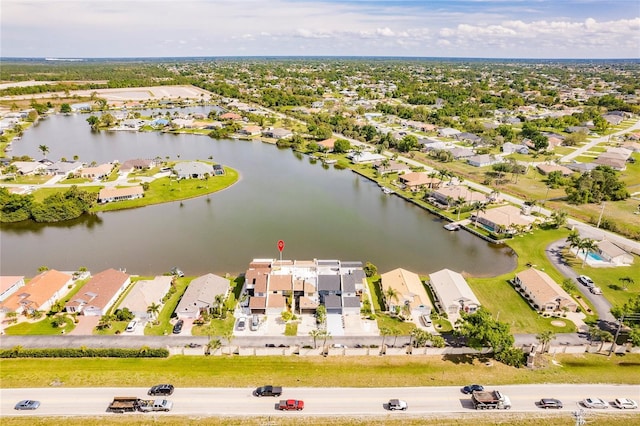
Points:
x=318, y=401
x=593, y=142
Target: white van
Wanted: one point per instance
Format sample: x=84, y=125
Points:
x=131, y=326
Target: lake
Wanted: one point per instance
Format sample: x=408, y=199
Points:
x=320, y=212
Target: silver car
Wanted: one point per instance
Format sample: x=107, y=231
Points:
x=594, y=403
x=27, y=404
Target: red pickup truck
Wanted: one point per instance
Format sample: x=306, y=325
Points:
x=291, y=404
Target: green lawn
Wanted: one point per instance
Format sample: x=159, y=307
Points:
x=216, y=327
x=42, y=327
x=166, y=190
x=234, y=371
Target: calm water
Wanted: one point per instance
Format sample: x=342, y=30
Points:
x=319, y=212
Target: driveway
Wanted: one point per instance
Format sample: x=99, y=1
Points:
x=85, y=326
x=601, y=305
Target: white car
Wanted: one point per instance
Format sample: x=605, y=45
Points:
x=586, y=281
x=594, y=403
x=625, y=403
x=131, y=326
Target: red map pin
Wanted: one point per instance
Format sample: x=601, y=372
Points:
x=280, y=245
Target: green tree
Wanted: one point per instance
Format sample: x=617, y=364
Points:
x=478, y=207
x=65, y=108
x=627, y=281
x=94, y=122
x=341, y=146
x=545, y=337
x=153, y=310
x=370, y=269
x=587, y=245
x=315, y=333
x=44, y=149
x=391, y=294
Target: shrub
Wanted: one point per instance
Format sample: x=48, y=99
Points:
x=83, y=352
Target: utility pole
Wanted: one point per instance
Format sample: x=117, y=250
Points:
x=601, y=212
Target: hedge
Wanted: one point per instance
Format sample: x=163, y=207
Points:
x=143, y=352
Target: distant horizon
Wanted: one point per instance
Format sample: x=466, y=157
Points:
x=479, y=58
x=522, y=29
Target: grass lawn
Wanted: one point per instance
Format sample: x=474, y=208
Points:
x=166, y=190
x=499, y=297
x=608, y=279
x=216, y=327
x=42, y=327
x=338, y=371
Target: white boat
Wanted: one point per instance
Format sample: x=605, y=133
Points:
x=387, y=190
x=452, y=227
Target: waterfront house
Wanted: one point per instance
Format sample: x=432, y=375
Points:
x=365, y=157
x=503, y=219
x=98, y=172
x=9, y=285
x=193, y=170
x=39, y=294
x=452, y=294
x=200, y=296
x=136, y=164
x=327, y=144
x=144, y=293
x=392, y=167
x=542, y=292
x=232, y=116
x=416, y=181
x=99, y=294
x=110, y=194
x=64, y=168
x=26, y=168
x=448, y=195
x=409, y=291
x=277, y=133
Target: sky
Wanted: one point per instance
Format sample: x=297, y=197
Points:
x=570, y=29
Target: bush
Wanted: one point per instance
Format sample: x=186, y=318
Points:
x=83, y=352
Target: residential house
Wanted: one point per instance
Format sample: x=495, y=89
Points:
x=110, y=194
x=391, y=167
x=200, y=296
x=39, y=294
x=615, y=160
x=146, y=293
x=459, y=153
x=545, y=169
x=416, y=181
x=29, y=167
x=193, y=170
x=614, y=254
x=448, y=132
x=510, y=148
x=542, y=292
x=503, y=219
x=452, y=294
x=577, y=129
x=408, y=291
x=82, y=107
x=483, y=160
x=468, y=137
x=9, y=285
x=277, y=133
x=250, y=131
x=448, y=195
x=98, y=172
x=327, y=144
x=218, y=170
x=64, y=168
x=365, y=157
x=136, y=164
x=99, y=294
x=613, y=119
x=230, y=116
x=182, y=123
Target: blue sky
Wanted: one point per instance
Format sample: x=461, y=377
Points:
x=421, y=28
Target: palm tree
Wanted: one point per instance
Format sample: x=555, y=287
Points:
x=384, y=332
x=325, y=335
x=315, y=333
x=228, y=336
x=627, y=281
x=460, y=202
x=573, y=239
x=588, y=245
x=213, y=345
x=391, y=293
x=219, y=304
x=153, y=309
x=478, y=207
x=44, y=149
x=545, y=338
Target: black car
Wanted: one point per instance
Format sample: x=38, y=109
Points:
x=177, y=329
x=550, y=403
x=472, y=388
x=161, y=390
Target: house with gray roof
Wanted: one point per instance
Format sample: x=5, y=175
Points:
x=145, y=293
x=193, y=170
x=64, y=168
x=200, y=295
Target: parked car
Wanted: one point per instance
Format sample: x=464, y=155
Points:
x=594, y=403
x=27, y=404
x=585, y=280
x=550, y=403
x=255, y=322
x=595, y=290
x=131, y=326
x=426, y=320
x=242, y=323
x=472, y=388
x=164, y=389
x=177, y=329
x=268, y=390
x=625, y=403
x=291, y=404
x=397, y=404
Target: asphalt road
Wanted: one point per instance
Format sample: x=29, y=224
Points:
x=318, y=401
